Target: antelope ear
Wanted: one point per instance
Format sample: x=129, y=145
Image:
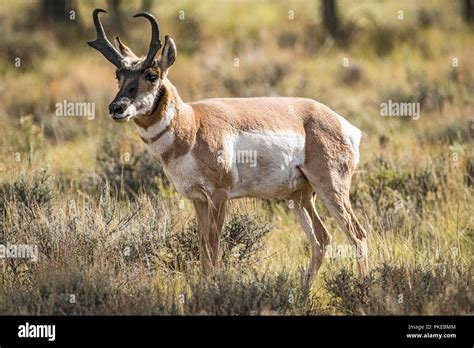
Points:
x=168, y=56
x=125, y=50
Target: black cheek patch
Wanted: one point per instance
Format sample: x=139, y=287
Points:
x=158, y=97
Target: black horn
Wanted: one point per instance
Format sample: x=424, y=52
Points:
x=102, y=44
x=155, y=43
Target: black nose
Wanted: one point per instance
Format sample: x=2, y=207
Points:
x=116, y=109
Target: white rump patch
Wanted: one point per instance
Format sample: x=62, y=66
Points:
x=352, y=137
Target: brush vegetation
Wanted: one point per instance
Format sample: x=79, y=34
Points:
x=113, y=235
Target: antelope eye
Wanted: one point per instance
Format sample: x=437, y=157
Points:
x=152, y=78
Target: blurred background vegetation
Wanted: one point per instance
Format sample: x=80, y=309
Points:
x=112, y=230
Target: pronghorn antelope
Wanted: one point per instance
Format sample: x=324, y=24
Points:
x=303, y=149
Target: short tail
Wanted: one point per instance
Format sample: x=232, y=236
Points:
x=352, y=136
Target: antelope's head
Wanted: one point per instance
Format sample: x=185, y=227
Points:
x=140, y=79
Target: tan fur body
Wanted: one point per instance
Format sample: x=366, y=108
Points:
x=317, y=158
x=219, y=149
x=199, y=130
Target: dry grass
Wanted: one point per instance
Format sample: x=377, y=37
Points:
x=115, y=236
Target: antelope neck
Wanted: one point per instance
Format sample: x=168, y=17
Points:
x=165, y=108
x=170, y=115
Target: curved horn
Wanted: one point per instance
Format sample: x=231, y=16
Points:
x=155, y=43
x=102, y=44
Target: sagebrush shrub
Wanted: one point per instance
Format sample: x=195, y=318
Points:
x=253, y=294
x=129, y=173
x=433, y=288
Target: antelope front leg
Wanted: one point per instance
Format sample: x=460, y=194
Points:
x=217, y=211
x=202, y=215
x=211, y=215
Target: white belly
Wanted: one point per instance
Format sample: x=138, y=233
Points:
x=185, y=176
x=265, y=164
x=262, y=165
